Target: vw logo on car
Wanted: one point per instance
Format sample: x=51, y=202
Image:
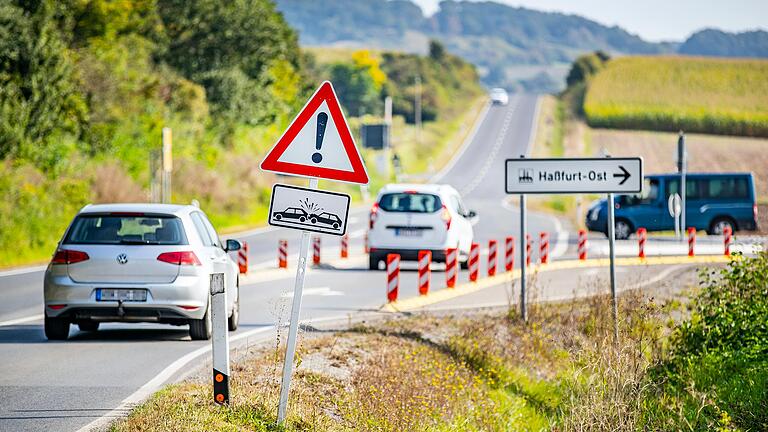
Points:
x=122, y=258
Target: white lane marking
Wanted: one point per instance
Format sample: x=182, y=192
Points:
x=23, y=270
x=319, y=291
x=357, y=233
x=491, y=158
x=464, y=146
x=153, y=385
x=561, y=242
x=23, y=320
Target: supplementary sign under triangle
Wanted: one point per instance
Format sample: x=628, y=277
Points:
x=318, y=143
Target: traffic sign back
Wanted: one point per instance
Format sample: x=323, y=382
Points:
x=318, y=143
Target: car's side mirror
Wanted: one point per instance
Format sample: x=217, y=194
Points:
x=233, y=245
x=472, y=217
x=471, y=214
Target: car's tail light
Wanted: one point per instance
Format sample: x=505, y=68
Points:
x=65, y=256
x=189, y=307
x=56, y=306
x=446, y=217
x=754, y=211
x=373, y=215
x=179, y=258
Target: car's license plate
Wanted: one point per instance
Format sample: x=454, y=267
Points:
x=407, y=232
x=121, y=294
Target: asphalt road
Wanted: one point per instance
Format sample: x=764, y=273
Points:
x=64, y=386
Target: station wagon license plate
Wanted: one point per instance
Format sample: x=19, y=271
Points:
x=407, y=232
x=121, y=294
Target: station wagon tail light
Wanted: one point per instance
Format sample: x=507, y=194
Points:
x=179, y=258
x=754, y=211
x=446, y=217
x=64, y=256
x=374, y=214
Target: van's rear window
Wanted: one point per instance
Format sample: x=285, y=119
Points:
x=410, y=202
x=126, y=229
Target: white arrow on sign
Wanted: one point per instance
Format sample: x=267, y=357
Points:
x=581, y=175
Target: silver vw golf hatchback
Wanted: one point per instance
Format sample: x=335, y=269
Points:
x=138, y=263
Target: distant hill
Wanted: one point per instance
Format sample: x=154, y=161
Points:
x=710, y=42
x=516, y=48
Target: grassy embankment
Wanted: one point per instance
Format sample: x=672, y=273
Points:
x=688, y=359
x=704, y=95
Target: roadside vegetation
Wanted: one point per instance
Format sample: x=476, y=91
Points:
x=86, y=88
x=687, y=359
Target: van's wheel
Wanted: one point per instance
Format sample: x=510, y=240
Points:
x=88, y=326
x=56, y=328
x=200, y=329
x=622, y=229
x=234, y=319
x=717, y=227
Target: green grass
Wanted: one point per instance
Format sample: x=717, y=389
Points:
x=706, y=95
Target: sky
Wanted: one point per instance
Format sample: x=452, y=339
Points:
x=653, y=20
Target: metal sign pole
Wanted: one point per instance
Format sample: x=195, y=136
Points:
x=612, y=252
x=219, y=339
x=682, y=166
x=290, y=349
x=523, y=262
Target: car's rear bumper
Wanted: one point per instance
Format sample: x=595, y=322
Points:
x=438, y=255
x=184, y=299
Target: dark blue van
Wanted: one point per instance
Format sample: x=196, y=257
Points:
x=713, y=201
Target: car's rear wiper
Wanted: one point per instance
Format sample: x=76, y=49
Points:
x=138, y=242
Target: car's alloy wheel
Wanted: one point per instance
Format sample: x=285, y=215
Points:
x=622, y=230
x=718, y=226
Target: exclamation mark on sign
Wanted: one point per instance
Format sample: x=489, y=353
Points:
x=322, y=121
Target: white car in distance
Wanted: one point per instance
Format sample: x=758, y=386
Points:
x=408, y=218
x=499, y=96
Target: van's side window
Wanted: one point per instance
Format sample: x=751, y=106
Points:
x=649, y=195
x=692, y=189
x=726, y=188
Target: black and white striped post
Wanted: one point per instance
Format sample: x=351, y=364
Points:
x=219, y=339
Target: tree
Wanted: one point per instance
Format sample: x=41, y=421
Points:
x=356, y=88
x=39, y=98
x=585, y=66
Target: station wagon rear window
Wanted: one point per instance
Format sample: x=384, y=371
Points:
x=408, y=202
x=126, y=229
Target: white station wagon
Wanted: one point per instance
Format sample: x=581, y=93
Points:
x=138, y=263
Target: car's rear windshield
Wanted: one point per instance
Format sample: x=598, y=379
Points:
x=126, y=229
x=408, y=202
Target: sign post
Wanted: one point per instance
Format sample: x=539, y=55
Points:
x=574, y=175
x=682, y=167
x=219, y=339
x=317, y=144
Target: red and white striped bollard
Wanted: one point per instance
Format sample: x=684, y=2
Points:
x=316, y=251
x=474, y=261
x=727, y=239
x=642, y=237
x=582, y=246
x=451, y=267
x=528, y=249
x=393, y=276
x=691, y=241
x=544, y=247
x=425, y=273
x=492, y=260
x=366, y=249
x=282, y=254
x=242, y=258
x=509, y=253
x=344, y=246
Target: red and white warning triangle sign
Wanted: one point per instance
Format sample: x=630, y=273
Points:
x=318, y=143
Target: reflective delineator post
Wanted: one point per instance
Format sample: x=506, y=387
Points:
x=425, y=273
x=544, y=247
x=344, y=246
x=316, y=251
x=474, y=261
x=492, y=261
x=219, y=339
x=393, y=276
x=282, y=254
x=366, y=249
x=727, y=239
x=582, y=247
x=451, y=267
x=509, y=253
x=642, y=235
x=242, y=258
x=691, y=241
